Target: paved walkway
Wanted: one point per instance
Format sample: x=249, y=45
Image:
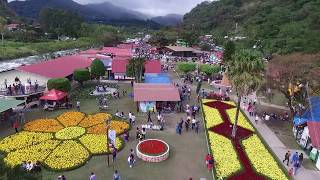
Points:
x=280, y=149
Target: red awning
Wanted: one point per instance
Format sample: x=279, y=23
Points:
x=153, y=66
x=54, y=95
x=155, y=92
x=314, y=133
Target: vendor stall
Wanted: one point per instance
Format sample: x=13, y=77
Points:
x=155, y=96
x=55, y=99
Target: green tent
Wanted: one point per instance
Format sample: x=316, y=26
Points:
x=6, y=104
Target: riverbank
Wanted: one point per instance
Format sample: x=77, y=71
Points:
x=14, y=50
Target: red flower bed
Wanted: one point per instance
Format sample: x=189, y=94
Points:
x=152, y=147
x=225, y=129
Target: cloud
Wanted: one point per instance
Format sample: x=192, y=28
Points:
x=152, y=7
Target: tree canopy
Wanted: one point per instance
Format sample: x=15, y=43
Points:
x=60, y=22
x=62, y=84
x=135, y=68
x=209, y=69
x=97, y=68
x=186, y=67
x=81, y=75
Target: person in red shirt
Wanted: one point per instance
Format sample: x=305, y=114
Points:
x=209, y=161
x=16, y=125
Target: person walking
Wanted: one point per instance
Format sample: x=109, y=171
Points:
x=114, y=154
x=130, y=117
x=133, y=119
x=131, y=160
x=149, y=117
x=295, y=158
x=193, y=123
x=78, y=105
x=287, y=157
x=187, y=124
x=301, y=158
x=92, y=176
x=116, y=175
x=16, y=126
x=197, y=127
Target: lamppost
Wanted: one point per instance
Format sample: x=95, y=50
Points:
x=108, y=148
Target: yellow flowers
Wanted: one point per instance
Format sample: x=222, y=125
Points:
x=64, y=143
x=23, y=139
x=92, y=120
x=224, y=154
x=242, y=120
x=118, y=126
x=212, y=116
x=97, y=144
x=70, y=133
x=43, y=125
x=261, y=159
x=31, y=153
x=70, y=118
x=67, y=155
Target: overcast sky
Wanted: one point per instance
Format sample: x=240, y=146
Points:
x=152, y=7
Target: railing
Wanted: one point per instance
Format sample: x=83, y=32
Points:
x=21, y=91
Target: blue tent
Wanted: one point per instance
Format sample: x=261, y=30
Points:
x=154, y=78
x=314, y=110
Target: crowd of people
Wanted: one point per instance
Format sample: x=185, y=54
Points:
x=31, y=167
x=296, y=161
x=18, y=88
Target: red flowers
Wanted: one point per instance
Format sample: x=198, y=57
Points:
x=152, y=147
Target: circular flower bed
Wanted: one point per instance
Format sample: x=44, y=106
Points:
x=64, y=143
x=153, y=150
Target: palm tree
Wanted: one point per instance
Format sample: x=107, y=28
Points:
x=245, y=71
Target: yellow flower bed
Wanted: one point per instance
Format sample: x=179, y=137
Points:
x=97, y=144
x=70, y=133
x=224, y=154
x=92, y=120
x=31, y=153
x=242, y=120
x=118, y=126
x=212, y=116
x=68, y=154
x=23, y=139
x=70, y=118
x=261, y=159
x=43, y=125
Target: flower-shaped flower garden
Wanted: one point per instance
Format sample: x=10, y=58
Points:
x=64, y=143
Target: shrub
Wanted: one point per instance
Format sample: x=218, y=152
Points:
x=97, y=69
x=81, y=75
x=186, y=67
x=62, y=84
x=209, y=69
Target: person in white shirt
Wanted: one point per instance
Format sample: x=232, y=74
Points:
x=130, y=117
x=29, y=166
x=267, y=117
x=133, y=119
x=193, y=123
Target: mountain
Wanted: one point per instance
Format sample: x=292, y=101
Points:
x=168, y=20
x=99, y=13
x=280, y=26
x=6, y=12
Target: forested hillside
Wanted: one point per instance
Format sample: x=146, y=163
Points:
x=279, y=26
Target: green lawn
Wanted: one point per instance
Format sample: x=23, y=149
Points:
x=12, y=50
x=186, y=152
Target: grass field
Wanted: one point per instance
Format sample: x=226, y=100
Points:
x=186, y=152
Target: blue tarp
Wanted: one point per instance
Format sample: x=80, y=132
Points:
x=162, y=78
x=306, y=116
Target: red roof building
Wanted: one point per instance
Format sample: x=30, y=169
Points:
x=119, y=65
x=152, y=66
x=118, y=52
x=155, y=92
x=57, y=68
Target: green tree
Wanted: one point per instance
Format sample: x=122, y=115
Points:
x=135, y=68
x=97, y=69
x=81, y=75
x=164, y=37
x=209, y=69
x=62, y=84
x=60, y=22
x=229, y=50
x=186, y=67
x=191, y=37
x=245, y=72
x=3, y=23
